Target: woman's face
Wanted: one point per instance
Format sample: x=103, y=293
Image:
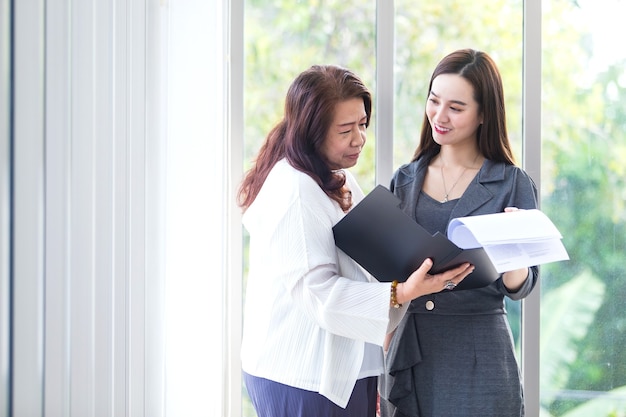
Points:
x=347, y=134
x=453, y=113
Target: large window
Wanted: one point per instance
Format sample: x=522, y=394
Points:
x=581, y=363
x=583, y=326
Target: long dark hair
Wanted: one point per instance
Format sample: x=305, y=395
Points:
x=482, y=73
x=309, y=110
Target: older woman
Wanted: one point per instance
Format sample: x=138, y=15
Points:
x=314, y=321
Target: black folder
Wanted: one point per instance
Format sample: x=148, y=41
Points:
x=390, y=245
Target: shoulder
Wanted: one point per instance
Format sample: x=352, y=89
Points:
x=408, y=174
x=285, y=184
x=284, y=189
x=493, y=171
x=509, y=181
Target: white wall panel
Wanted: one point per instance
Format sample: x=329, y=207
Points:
x=196, y=218
x=57, y=239
x=28, y=209
x=233, y=44
x=88, y=260
x=156, y=32
x=5, y=205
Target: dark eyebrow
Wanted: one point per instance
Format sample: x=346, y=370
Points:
x=345, y=124
x=459, y=102
x=351, y=123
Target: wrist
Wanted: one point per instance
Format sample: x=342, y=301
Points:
x=514, y=280
x=394, y=295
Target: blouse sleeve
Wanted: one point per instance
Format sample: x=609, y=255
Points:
x=353, y=309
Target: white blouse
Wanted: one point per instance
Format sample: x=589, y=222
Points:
x=313, y=318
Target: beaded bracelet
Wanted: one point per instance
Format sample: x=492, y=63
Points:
x=394, y=300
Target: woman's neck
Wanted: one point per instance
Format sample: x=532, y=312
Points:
x=465, y=157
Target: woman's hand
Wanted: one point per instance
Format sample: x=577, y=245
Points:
x=421, y=283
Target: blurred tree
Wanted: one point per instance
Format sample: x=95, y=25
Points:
x=285, y=37
x=583, y=186
x=427, y=31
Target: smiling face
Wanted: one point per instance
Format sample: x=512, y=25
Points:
x=346, y=136
x=452, y=111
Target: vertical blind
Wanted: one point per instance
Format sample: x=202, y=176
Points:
x=87, y=278
x=116, y=201
x=5, y=193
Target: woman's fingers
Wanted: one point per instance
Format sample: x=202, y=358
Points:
x=421, y=283
x=454, y=276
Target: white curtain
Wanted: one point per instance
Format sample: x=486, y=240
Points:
x=120, y=244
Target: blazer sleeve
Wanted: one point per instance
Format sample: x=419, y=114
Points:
x=523, y=196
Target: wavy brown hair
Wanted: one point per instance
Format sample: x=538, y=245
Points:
x=482, y=73
x=309, y=111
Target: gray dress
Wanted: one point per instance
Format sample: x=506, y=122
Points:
x=453, y=354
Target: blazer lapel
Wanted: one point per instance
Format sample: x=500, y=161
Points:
x=477, y=194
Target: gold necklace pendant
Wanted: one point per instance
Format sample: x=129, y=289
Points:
x=443, y=179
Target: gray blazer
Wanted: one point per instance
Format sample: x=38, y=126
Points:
x=496, y=186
